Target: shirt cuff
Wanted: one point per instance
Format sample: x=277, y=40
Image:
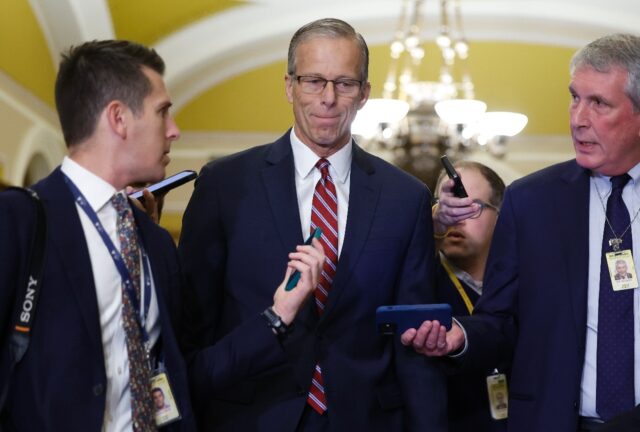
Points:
x=461, y=352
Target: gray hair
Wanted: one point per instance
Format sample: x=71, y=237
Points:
x=614, y=50
x=331, y=28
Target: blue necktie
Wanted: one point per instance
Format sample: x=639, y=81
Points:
x=615, y=372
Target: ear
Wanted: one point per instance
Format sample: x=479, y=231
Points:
x=366, y=89
x=288, y=87
x=117, y=115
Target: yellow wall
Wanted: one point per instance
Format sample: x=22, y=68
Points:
x=531, y=79
x=24, y=55
x=146, y=21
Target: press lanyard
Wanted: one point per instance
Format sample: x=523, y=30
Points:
x=119, y=262
x=456, y=283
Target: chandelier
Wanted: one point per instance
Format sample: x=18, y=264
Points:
x=418, y=121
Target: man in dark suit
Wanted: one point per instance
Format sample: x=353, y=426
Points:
x=97, y=343
x=548, y=300
x=463, y=249
x=377, y=235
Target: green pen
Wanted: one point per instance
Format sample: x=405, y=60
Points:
x=295, y=276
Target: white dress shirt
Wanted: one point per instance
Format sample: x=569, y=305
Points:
x=597, y=211
x=307, y=177
x=108, y=285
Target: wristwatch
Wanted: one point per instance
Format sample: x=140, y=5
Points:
x=275, y=322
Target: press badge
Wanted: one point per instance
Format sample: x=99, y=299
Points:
x=164, y=405
x=622, y=270
x=498, y=395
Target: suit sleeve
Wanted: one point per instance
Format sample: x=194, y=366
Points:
x=215, y=361
x=492, y=329
x=423, y=382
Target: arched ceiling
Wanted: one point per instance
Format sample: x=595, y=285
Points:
x=224, y=56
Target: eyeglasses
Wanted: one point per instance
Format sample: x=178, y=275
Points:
x=315, y=85
x=481, y=203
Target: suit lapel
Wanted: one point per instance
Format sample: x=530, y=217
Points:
x=573, y=217
x=70, y=247
x=278, y=177
x=363, y=200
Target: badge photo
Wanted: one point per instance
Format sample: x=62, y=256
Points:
x=166, y=410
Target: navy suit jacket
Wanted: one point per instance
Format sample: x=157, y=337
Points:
x=240, y=225
x=60, y=384
x=627, y=422
x=468, y=399
x=534, y=301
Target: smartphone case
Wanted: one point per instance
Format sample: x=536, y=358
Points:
x=399, y=318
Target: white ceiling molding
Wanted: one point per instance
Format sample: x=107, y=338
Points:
x=70, y=22
x=243, y=38
x=26, y=104
x=38, y=141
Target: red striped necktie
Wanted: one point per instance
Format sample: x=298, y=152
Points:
x=324, y=215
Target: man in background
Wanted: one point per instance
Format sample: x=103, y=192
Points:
x=548, y=298
x=328, y=369
x=463, y=249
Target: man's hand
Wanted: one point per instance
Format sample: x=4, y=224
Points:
x=151, y=205
x=450, y=209
x=308, y=260
x=433, y=340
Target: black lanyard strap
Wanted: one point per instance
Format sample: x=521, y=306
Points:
x=27, y=298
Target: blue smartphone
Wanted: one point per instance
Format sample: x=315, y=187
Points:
x=167, y=184
x=400, y=318
x=295, y=276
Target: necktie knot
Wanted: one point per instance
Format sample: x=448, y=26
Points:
x=323, y=166
x=618, y=182
x=119, y=202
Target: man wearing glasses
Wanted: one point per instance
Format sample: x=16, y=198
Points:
x=463, y=249
x=550, y=301
x=327, y=369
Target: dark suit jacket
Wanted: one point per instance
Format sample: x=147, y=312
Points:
x=60, y=384
x=468, y=400
x=241, y=223
x=534, y=302
x=627, y=422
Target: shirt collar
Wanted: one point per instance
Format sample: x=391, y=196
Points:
x=635, y=174
x=305, y=160
x=96, y=191
x=463, y=276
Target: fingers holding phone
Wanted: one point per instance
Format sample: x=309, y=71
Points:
x=151, y=204
x=150, y=199
x=451, y=209
x=454, y=204
x=433, y=340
